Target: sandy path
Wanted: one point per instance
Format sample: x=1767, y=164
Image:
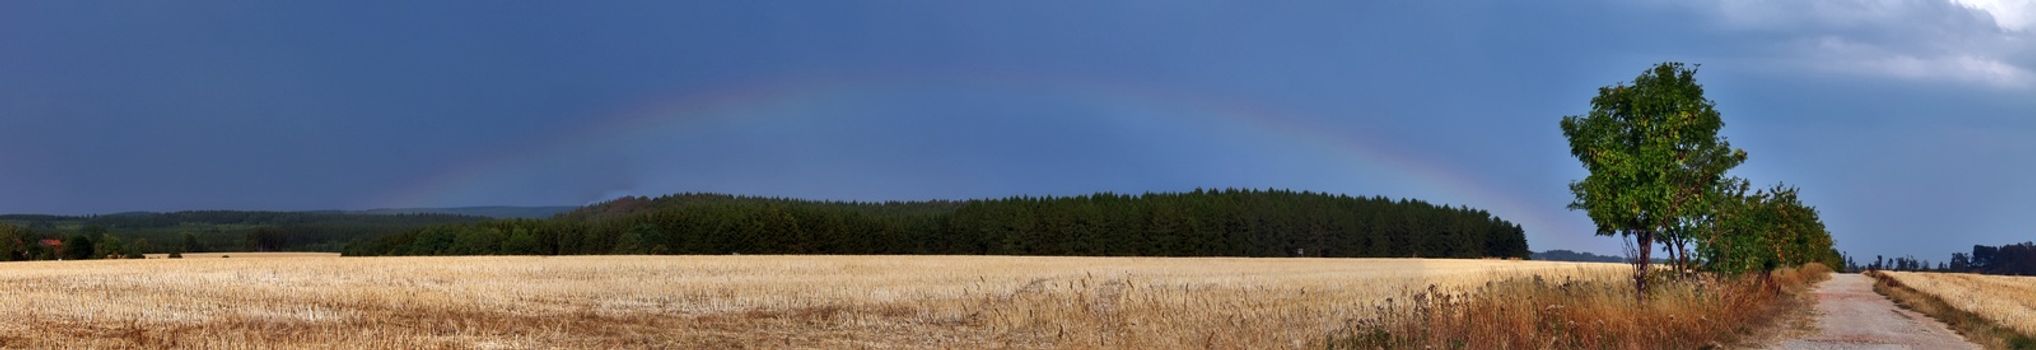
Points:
x=1852, y=316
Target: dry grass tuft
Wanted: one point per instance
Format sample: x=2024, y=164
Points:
x=722, y=301
x=1541, y=313
x=1996, y=311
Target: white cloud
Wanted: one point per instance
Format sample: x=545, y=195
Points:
x=1986, y=43
x=1960, y=68
x=2011, y=15
x=1782, y=15
x=1835, y=53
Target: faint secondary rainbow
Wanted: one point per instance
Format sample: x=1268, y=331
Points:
x=1216, y=114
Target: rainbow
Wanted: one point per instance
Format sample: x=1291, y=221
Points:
x=806, y=94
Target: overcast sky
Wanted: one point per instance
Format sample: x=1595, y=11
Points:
x=1910, y=124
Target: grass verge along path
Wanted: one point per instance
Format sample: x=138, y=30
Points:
x=1536, y=313
x=1978, y=307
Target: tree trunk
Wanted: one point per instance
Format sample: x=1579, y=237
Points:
x=1683, y=258
x=1646, y=240
x=1668, y=243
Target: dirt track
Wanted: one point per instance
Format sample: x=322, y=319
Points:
x=1851, y=316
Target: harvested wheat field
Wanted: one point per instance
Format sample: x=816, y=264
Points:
x=2008, y=301
x=718, y=301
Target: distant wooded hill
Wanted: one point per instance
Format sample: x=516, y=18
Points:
x=492, y=212
x=1199, y=223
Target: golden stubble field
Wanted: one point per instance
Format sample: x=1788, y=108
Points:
x=2009, y=301
x=323, y=301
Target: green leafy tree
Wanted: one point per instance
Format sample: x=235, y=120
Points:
x=77, y=247
x=110, y=245
x=13, y=243
x=40, y=252
x=1765, y=229
x=522, y=242
x=135, y=249
x=478, y=241
x=432, y=241
x=266, y=239
x=1654, y=156
x=191, y=244
x=632, y=241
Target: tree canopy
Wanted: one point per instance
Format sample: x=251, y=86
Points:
x=1766, y=229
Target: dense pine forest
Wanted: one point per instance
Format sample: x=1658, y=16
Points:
x=132, y=234
x=1200, y=223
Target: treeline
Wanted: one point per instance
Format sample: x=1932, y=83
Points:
x=1900, y=263
x=1199, y=223
x=34, y=237
x=2011, y=259
x=19, y=244
x=1758, y=231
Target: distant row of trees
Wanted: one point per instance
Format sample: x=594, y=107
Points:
x=223, y=230
x=2010, y=259
x=1571, y=255
x=1900, y=263
x=21, y=244
x=1199, y=223
x=1761, y=230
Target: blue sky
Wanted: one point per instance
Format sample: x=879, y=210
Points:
x=1907, y=122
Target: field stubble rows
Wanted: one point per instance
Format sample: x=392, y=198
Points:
x=721, y=301
x=2008, y=301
